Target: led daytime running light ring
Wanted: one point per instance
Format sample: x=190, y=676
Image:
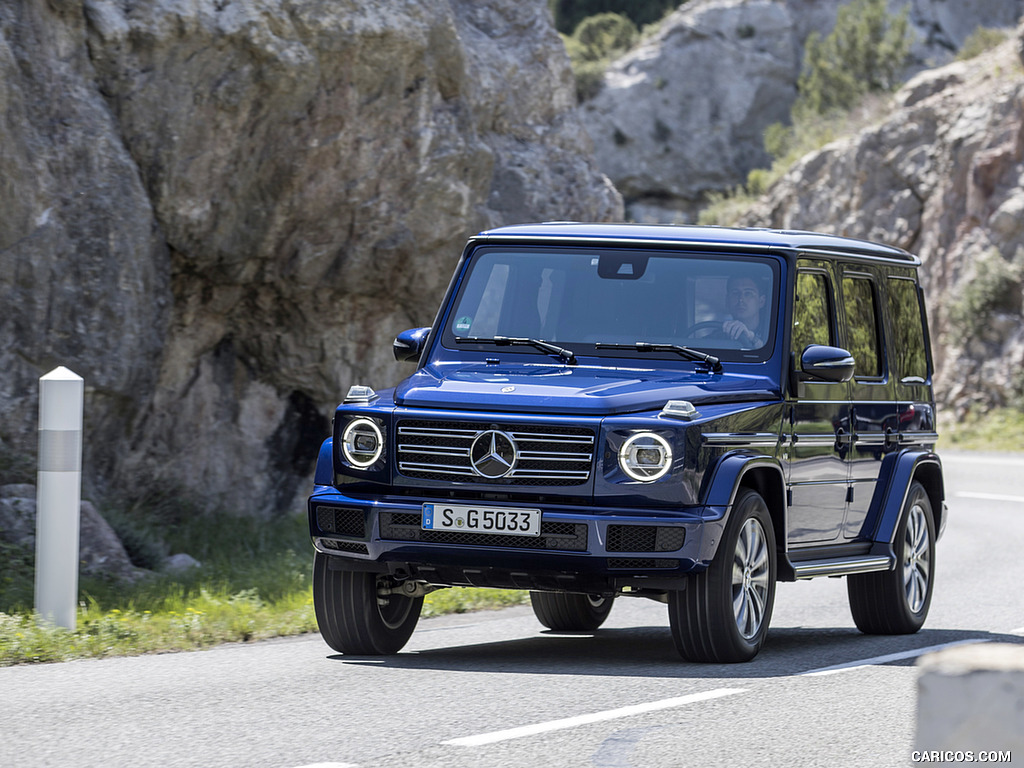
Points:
x=357, y=457
x=645, y=441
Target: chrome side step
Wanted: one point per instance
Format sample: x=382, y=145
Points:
x=843, y=566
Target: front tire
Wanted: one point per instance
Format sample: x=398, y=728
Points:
x=723, y=613
x=896, y=602
x=353, y=618
x=570, y=612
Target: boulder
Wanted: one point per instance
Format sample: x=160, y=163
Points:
x=180, y=563
x=100, y=551
x=220, y=213
x=683, y=114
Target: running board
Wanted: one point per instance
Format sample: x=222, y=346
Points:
x=842, y=566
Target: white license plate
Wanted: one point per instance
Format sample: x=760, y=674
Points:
x=469, y=519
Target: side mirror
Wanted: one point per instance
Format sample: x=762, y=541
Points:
x=409, y=344
x=832, y=364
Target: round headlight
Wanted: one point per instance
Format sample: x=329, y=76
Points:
x=645, y=456
x=362, y=443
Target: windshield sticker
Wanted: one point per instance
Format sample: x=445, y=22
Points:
x=463, y=324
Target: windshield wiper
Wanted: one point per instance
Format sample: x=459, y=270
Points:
x=562, y=353
x=645, y=346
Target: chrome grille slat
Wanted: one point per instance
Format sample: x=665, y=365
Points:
x=435, y=450
x=431, y=432
x=447, y=468
x=547, y=455
x=538, y=456
x=539, y=437
x=541, y=473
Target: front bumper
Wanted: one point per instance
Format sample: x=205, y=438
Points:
x=580, y=548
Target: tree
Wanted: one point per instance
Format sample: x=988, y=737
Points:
x=863, y=54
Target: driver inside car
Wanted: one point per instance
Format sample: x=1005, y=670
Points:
x=745, y=301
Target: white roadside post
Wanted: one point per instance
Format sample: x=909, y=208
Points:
x=58, y=496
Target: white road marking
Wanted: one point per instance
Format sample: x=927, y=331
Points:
x=596, y=717
x=330, y=765
x=874, y=660
x=990, y=496
x=1017, y=631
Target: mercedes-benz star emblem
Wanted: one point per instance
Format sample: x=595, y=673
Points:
x=493, y=454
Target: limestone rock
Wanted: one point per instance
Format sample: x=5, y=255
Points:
x=220, y=213
x=684, y=114
x=18, y=519
x=942, y=175
x=100, y=551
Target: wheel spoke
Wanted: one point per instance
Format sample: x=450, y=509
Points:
x=916, y=558
x=743, y=612
x=757, y=604
x=750, y=575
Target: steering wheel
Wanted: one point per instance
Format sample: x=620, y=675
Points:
x=707, y=325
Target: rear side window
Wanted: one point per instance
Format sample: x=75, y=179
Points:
x=812, y=312
x=862, y=326
x=909, y=353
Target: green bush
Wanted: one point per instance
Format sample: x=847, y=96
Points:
x=864, y=53
x=589, y=79
x=980, y=40
x=602, y=37
x=17, y=576
x=596, y=41
x=995, y=287
x=568, y=14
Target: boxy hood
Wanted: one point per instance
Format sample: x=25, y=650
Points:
x=580, y=389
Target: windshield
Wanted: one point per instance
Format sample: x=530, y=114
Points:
x=587, y=299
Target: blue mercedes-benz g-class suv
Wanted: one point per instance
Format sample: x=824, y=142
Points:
x=688, y=414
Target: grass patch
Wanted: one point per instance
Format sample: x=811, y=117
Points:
x=254, y=583
x=982, y=40
x=466, y=599
x=1001, y=429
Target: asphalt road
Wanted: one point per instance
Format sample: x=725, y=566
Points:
x=492, y=689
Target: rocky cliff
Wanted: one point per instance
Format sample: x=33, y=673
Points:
x=684, y=114
x=219, y=212
x=942, y=174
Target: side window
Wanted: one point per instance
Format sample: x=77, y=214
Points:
x=862, y=326
x=909, y=355
x=812, y=312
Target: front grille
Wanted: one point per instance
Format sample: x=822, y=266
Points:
x=343, y=521
x=645, y=538
x=640, y=563
x=548, y=455
x=405, y=526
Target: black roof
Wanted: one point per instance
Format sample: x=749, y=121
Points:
x=703, y=236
